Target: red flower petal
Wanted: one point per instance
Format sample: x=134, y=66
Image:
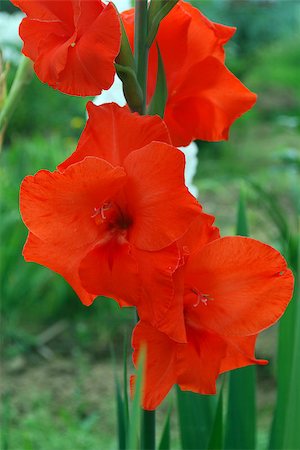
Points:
x=204, y=98
x=65, y=263
x=73, y=43
x=161, y=303
x=160, y=363
x=58, y=207
x=246, y=284
x=240, y=352
x=160, y=204
x=47, y=10
x=113, y=132
x=89, y=67
x=201, y=232
x=198, y=362
x=111, y=270
x=206, y=106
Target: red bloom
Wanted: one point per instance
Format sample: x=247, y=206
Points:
x=109, y=218
x=73, y=43
x=204, y=97
x=234, y=288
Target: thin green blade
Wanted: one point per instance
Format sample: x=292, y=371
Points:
x=216, y=438
x=165, y=440
x=292, y=434
x=241, y=409
x=285, y=351
x=121, y=416
x=196, y=419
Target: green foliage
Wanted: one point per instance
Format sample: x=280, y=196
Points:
x=241, y=419
x=196, y=419
x=43, y=110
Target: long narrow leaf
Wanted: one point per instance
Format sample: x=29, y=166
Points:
x=241, y=410
x=217, y=436
x=125, y=385
x=292, y=434
x=165, y=440
x=196, y=419
x=121, y=416
x=286, y=342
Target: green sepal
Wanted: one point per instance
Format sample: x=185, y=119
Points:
x=160, y=96
x=131, y=88
x=158, y=9
x=126, y=71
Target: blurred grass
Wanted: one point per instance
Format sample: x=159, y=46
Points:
x=66, y=401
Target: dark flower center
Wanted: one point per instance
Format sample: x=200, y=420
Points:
x=112, y=217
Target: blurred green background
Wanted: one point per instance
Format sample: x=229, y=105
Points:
x=56, y=352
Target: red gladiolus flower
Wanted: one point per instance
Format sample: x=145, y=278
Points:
x=109, y=218
x=234, y=288
x=73, y=43
x=204, y=97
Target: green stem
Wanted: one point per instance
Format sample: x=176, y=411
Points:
x=141, y=51
x=148, y=431
x=22, y=78
x=140, y=46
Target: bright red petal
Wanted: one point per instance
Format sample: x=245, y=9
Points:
x=238, y=286
x=198, y=362
x=240, y=352
x=160, y=363
x=113, y=132
x=63, y=262
x=89, y=67
x=205, y=37
x=205, y=107
x=59, y=207
x=161, y=303
x=201, y=232
x=161, y=206
x=111, y=270
x=35, y=32
x=73, y=43
x=47, y=10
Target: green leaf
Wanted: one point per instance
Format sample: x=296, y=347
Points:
x=135, y=416
x=121, y=416
x=196, y=419
x=216, y=438
x=160, y=96
x=285, y=351
x=165, y=439
x=285, y=426
x=291, y=432
x=125, y=385
x=241, y=409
